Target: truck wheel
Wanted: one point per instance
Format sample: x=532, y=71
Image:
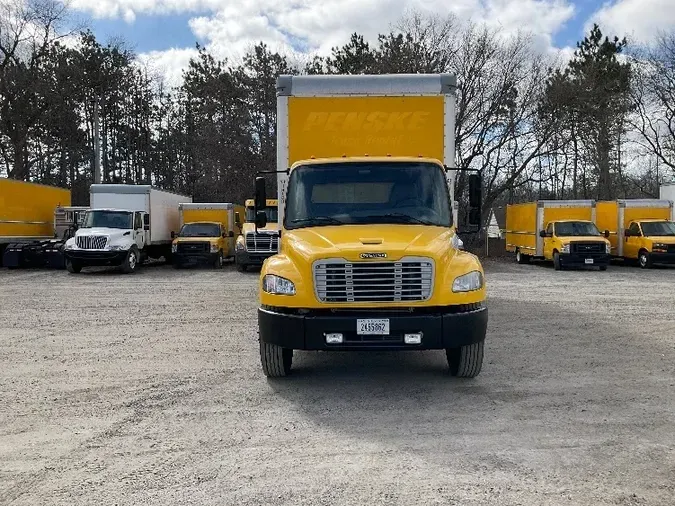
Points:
x=466, y=361
x=276, y=361
x=521, y=258
x=241, y=267
x=131, y=262
x=218, y=264
x=645, y=259
x=556, y=261
x=603, y=267
x=73, y=268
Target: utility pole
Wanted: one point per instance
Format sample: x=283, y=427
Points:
x=97, y=143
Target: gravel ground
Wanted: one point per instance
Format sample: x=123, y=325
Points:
x=147, y=389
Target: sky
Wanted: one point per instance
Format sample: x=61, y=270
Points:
x=164, y=32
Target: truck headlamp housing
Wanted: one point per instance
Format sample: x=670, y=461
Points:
x=660, y=246
x=565, y=248
x=214, y=247
x=468, y=282
x=240, y=244
x=174, y=248
x=117, y=247
x=608, y=248
x=277, y=285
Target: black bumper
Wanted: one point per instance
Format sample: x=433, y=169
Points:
x=441, y=328
x=194, y=258
x=246, y=258
x=96, y=258
x=579, y=260
x=662, y=258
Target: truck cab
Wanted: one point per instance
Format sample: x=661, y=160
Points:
x=199, y=241
x=650, y=241
x=255, y=245
x=108, y=237
x=575, y=243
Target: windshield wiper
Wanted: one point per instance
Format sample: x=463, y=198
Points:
x=404, y=218
x=324, y=219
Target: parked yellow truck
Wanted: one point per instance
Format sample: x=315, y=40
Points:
x=207, y=233
x=369, y=258
x=27, y=211
x=255, y=245
x=559, y=231
x=641, y=230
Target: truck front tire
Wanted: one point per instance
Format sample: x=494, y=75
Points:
x=131, y=261
x=645, y=260
x=556, y=261
x=218, y=264
x=466, y=361
x=522, y=258
x=276, y=361
x=73, y=268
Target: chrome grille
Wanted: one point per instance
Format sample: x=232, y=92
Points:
x=92, y=241
x=407, y=280
x=262, y=243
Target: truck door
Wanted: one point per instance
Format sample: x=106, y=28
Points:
x=139, y=233
x=548, y=242
x=631, y=244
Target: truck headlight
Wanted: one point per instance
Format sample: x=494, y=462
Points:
x=468, y=282
x=174, y=248
x=70, y=245
x=608, y=248
x=277, y=285
x=565, y=248
x=660, y=246
x=116, y=247
x=214, y=248
x=240, y=245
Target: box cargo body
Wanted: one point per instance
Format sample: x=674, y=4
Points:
x=616, y=215
x=162, y=206
x=353, y=116
x=525, y=221
x=667, y=191
x=27, y=210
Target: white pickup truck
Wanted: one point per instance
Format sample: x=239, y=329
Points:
x=124, y=226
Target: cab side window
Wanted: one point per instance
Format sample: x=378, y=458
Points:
x=549, y=230
x=635, y=230
x=138, y=221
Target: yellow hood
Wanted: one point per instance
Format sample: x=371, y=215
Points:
x=663, y=239
x=395, y=241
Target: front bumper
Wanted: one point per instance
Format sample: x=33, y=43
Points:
x=250, y=258
x=441, y=328
x=95, y=258
x=662, y=258
x=193, y=258
x=579, y=260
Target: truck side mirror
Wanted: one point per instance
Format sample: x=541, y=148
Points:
x=260, y=193
x=231, y=234
x=475, y=199
x=237, y=219
x=606, y=234
x=224, y=235
x=542, y=233
x=260, y=219
x=173, y=234
x=146, y=222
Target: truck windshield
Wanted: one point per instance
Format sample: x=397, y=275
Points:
x=271, y=212
x=367, y=193
x=576, y=228
x=108, y=219
x=199, y=230
x=658, y=228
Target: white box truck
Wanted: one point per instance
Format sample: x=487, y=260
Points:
x=667, y=191
x=125, y=225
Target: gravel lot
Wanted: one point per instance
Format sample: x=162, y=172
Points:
x=147, y=389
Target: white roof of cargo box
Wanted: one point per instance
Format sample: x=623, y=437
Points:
x=385, y=84
x=199, y=205
x=127, y=189
x=644, y=203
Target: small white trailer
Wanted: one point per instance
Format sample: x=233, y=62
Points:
x=125, y=225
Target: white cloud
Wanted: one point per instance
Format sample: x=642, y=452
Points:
x=229, y=28
x=638, y=19
x=169, y=64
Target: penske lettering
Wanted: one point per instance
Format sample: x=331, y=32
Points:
x=374, y=121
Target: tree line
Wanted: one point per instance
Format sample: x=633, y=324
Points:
x=599, y=126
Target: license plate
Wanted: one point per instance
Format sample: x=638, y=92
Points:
x=589, y=260
x=371, y=327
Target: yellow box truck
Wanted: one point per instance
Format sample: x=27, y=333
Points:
x=641, y=230
x=559, y=231
x=207, y=233
x=255, y=245
x=27, y=211
x=369, y=258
